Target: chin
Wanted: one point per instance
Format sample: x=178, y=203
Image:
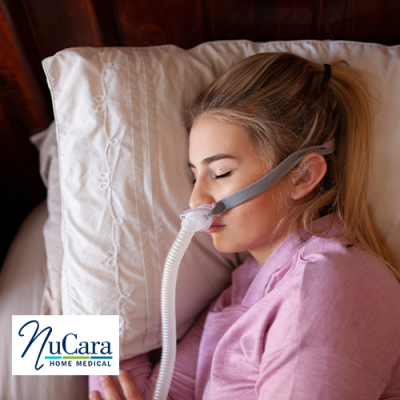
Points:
x=225, y=245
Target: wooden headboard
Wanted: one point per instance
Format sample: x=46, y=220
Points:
x=31, y=30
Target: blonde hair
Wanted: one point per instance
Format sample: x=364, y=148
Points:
x=284, y=104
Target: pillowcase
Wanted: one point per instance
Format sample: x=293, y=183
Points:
x=124, y=179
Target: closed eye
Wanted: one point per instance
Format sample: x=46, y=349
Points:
x=216, y=177
x=222, y=176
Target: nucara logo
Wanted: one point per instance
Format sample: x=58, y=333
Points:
x=52, y=345
x=56, y=348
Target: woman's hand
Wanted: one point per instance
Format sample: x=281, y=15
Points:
x=111, y=392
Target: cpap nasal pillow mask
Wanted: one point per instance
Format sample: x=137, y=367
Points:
x=199, y=220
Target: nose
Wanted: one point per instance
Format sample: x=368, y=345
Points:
x=200, y=195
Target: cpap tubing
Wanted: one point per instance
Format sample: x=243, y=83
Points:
x=193, y=221
x=198, y=220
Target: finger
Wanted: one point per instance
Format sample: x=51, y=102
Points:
x=95, y=395
x=109, y=388
x=128, y=387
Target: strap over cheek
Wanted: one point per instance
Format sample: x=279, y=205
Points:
x=270, y=179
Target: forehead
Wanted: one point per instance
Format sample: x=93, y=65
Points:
x=208, y=137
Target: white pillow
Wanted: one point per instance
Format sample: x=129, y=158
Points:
x=124, y=177
x=121, y=200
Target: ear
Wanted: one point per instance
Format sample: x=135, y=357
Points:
x=315, y=172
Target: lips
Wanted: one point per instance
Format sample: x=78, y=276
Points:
x=215, y=228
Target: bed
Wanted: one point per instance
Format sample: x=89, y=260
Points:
x=35, y=30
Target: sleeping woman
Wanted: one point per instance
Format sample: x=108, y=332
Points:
x=314, y=311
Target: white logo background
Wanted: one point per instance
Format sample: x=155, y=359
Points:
x=87, y=328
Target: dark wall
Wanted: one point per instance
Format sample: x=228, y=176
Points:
x=31, y=30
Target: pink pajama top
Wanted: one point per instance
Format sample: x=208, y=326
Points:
x=319, y=320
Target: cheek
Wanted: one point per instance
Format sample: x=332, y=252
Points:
x=251, y=224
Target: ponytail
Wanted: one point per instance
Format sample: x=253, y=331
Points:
x=354, y=154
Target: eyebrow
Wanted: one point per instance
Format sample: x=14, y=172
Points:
x=211, y=159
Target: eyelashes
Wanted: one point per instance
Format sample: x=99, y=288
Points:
x=222, y=176
x=216, y=177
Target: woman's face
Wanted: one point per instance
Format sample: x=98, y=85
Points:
x=223, y=162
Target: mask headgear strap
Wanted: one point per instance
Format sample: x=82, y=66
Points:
x=269, y=180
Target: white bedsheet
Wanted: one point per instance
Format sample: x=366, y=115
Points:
x=22, y=280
